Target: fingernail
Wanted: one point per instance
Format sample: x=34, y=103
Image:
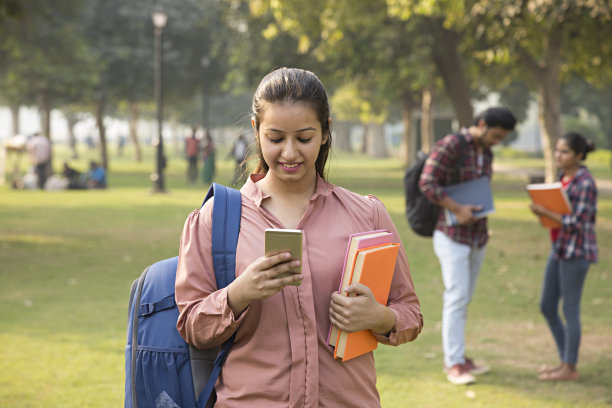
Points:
x=286, y=255
x=295, y=263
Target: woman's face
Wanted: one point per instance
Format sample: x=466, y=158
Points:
x=565, y=157
x=290, y=137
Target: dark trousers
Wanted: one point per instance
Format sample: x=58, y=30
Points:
x=192, y=169
x=564, y=280
x=41, y=174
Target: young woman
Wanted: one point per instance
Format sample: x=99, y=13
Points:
x=574, y=247
x=280, y=356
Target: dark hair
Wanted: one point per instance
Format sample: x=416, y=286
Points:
x=293, y=85
x=578, y=143
x=497, y=117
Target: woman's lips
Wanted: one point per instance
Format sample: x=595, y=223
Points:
x=291, y=167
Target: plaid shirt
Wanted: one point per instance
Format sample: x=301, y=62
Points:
x=440, y=170
x=576, y=238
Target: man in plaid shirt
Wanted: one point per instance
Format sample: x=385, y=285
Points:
x=461, y=249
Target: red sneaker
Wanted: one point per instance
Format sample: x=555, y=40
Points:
x=475, y=369
x=459, y=375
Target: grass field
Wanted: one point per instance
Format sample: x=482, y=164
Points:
x=68, y=258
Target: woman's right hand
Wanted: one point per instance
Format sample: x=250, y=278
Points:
x=260, y=280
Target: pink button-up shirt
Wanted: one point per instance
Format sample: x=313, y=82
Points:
x=280, y=357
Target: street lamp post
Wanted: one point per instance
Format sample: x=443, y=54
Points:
x=159, y=20
x=205, y=62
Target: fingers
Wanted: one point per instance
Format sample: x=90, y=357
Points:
x=268, y=275
x=350, y=312
x=358, y=289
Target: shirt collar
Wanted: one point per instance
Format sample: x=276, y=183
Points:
x=251, y=191
x=466, y=134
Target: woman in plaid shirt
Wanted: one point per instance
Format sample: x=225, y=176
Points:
x=574, y=248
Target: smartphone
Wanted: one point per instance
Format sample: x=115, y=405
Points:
x=285, y=240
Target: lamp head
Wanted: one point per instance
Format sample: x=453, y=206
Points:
x=159, y=19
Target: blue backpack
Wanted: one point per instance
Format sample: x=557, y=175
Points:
x=161, y=369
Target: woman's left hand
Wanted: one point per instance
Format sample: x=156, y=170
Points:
x=353, y=313
x=538, y=209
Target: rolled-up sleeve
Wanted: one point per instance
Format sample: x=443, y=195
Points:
x=402, y=300
x=205, y=318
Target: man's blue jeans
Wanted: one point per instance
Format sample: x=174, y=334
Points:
x=460, y=268
x=564, y=279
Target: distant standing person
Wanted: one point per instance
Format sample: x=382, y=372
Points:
x=39, y=148
x=239, y=153
x=461, y=249
x=120, y=145
x=192, y=147
x=208, y=155
x=574, y=248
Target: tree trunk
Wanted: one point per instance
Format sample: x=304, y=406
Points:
x=176, y=145
x=376, y=146
x=15, y=119
x=134, y=115
x=44, y=110
x=72, y=120
x=550, y=123
x=546, y=75
x=427, y=139
x=100, y=107
x=448, y=62
x=407, y=152
x=342, y=136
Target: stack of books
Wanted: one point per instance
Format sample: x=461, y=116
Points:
x=370, y=260
x=551, y=196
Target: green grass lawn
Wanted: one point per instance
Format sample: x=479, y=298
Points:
x=68, y=258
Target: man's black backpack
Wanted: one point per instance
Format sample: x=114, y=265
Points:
x=421, y=213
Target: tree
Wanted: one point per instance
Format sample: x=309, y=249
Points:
x=44, y=60
x=578, y=94
x=359, y=43
x=549, y=39
x=447, y=24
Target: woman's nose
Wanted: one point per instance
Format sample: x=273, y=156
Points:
x=290, y=150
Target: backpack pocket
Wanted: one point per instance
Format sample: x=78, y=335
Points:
x=163, y=378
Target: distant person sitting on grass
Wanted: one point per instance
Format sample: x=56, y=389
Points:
x=96, y=177
x=75, y=178
x=574, y=248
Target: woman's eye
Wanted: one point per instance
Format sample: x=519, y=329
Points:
x=275, y=140
x=304, y=140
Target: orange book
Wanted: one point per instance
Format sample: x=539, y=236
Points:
x=357, y=241
x=551, y=196
x=373, y=268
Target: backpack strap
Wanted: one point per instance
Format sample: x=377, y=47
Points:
x=225, y=231
x=135, y=293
